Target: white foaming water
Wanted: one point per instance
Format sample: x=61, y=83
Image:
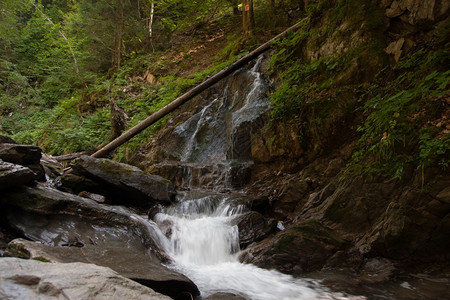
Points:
x=205, y=247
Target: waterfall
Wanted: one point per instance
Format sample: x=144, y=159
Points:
x=215, y=142
x=205, y=247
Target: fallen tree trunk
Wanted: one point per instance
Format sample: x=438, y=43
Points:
x=187, y=96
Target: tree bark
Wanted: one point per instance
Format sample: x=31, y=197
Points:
x=187, y=96
x=248, y=20
x=150, y=23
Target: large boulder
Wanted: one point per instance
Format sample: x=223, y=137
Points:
x=31, y=279
x=20, y=154
x=12, y=175
x=25, y=155
x=121, y=183
x=303, y=248
x=131, y=263
x=38, y=211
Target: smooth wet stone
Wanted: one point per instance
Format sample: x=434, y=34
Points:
x=123, y=184
x=31, y=279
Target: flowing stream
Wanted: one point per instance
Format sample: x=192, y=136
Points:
x=205, y=247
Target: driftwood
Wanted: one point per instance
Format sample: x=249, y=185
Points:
x=188, y=95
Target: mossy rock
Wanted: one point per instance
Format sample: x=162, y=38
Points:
x=18, y=250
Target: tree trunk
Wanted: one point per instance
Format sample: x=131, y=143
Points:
x=248, y=20
x=150, y=23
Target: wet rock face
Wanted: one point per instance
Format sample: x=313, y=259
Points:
x=205, y=176
x=376, y=217
x=122, y=184
x=30, y=279
x=290, y=194
x=415, y=227
x=37, y=211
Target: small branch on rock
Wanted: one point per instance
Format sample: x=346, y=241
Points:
x=71, y=156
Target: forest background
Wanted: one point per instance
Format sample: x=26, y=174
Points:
x=75, y=74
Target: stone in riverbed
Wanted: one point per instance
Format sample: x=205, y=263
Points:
x=124, y=184
x=30, y=279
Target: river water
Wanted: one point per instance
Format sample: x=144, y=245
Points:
x=205, y=247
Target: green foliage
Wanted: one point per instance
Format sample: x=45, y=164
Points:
x=400, y=127
x=304, y=84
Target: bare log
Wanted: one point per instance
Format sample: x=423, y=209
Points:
x=188, y=95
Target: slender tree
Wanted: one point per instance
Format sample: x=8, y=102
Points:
x=248, y=20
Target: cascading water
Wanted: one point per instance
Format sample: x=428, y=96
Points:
x=205, y=247
x=198, y=230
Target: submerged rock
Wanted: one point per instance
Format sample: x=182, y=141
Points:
x=31, y=279
x=121, y=183
x=224, y=296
